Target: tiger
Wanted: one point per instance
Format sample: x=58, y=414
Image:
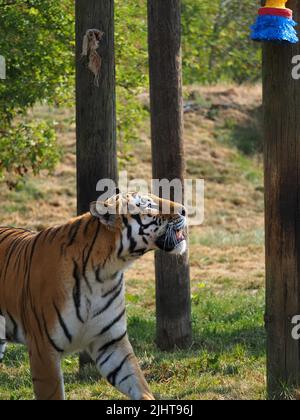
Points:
x=2, y=338
x=62, y=289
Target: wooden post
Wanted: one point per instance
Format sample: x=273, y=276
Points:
x=172, y=273
x=282, y=213
x=95, y=106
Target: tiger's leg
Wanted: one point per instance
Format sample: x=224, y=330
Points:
x=2, y=338
x=47, y=378
x=2, y=349
x=117, y=363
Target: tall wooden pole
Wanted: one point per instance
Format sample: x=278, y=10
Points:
x=95, y=106
x=282, y=212
x=172, y=273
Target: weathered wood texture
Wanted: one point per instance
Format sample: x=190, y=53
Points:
x=96, y=106
x=172, y=273
x=282, y=212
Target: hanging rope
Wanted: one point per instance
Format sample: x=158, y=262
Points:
x=91, y=42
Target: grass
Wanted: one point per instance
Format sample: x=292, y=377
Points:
x=225, y=238
x=228, y=347
x=227, y=358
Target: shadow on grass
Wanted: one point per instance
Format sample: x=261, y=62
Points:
x=251, y=339
x=206, y=338
x=88, y=375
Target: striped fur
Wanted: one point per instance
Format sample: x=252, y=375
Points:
x=62, y=290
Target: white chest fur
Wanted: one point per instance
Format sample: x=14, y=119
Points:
x=97, y=312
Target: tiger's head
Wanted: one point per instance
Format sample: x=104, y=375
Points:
x=145, y=223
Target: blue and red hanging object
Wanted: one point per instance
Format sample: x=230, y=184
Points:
x=275, y=23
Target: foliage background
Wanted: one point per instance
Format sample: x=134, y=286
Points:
x=37, y=39
x=216, y=43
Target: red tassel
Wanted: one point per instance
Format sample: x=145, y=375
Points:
x=273, y=11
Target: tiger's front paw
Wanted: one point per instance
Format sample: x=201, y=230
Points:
x=147, y=397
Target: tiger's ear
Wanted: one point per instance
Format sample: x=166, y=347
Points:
x=104, y=213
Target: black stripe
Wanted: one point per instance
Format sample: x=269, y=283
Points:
x=19, y=255
x=62, y=249
x=86, y=260
x=125, y=379
x=5, y=229
x=114, y=322
x=54, y=232
x=91, y=220
x=59, y=350
x=11, y=251
x=115, y=288
x=9, y=254
x=88, y=304
x=6, y=236
x=28, y=276
x=106, y=346
x=97, y=276
x=93, y=241
x=34, y=243
x=109, y=303
x=25, y=294
x=63, y=324
x=27, y=297
x=46, y=232
x=77, y=291
x=113, y=375
x=121, y=247
x=73, y=232
x=133, y=242
x=139, y=252
x=137, y=217
x=84, y=272
x=106, y=360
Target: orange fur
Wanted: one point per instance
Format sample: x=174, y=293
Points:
x=51, y=293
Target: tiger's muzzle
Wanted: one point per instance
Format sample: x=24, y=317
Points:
x=174, y=235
